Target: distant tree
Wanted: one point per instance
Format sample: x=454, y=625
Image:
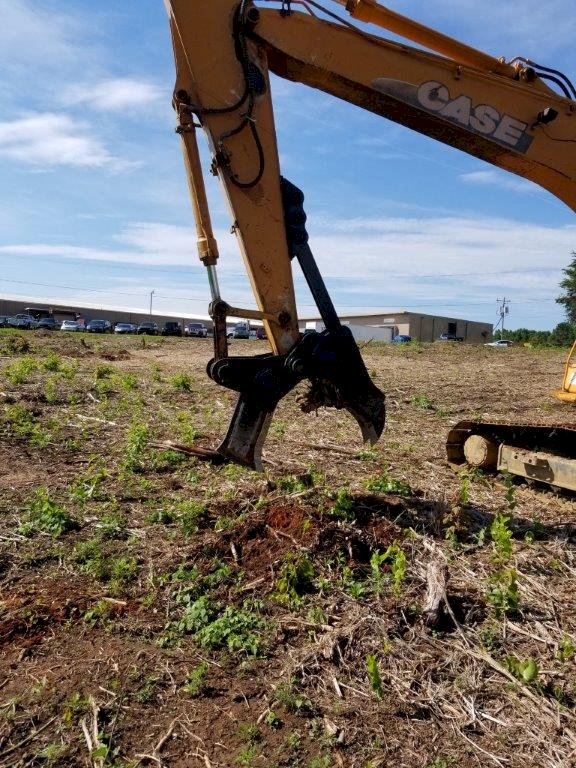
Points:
x=564, y=335
x=568, y=298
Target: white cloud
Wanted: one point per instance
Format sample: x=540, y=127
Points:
x=31, y=33
x=368, y=254
x=50, y=139
x=115, y=95
x=146, y=244
x=505, y=181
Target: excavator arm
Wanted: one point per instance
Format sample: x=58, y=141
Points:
x=501, y=112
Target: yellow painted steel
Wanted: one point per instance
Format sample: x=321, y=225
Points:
x=373, y=13
x=465, y=98
x=568, y=391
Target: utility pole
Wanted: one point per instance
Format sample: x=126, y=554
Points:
x=503, y=309
x=151, y=295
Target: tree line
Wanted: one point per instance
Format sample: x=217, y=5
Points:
x=564, y=335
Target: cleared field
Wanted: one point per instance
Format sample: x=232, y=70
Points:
x=156, y=610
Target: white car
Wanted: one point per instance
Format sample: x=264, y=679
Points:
x=500, y=344
x=69, y=325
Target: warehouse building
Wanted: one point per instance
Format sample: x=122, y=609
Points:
x=387, y=324
x=383, y=326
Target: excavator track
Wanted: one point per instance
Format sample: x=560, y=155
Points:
x=546, y=454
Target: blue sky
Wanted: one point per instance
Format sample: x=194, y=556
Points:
x=95, y=205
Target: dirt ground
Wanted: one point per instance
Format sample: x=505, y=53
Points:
x=157, y=610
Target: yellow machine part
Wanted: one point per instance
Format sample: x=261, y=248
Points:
x=568, y=391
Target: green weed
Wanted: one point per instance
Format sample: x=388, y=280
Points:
x=99, y=615
x=293, y=484
x=524, y=669
x=19, y=372
x=215, y=626
x=196, y=681
x=383, y=483
x=50, y=390
x=503, y=592
x=566, y=649
x=296, y=578
x=135, y=446
x=395, y=557
x=343, y=507
x=93, y=560
x=25, y=424
x=501, y=537
x=104, y=371
x=128, y=382
x=52, y=362
x=374, y=675
x=423, y=402
x=85, y=488
x=45, y=515
x=182, y=381
x=298, y=703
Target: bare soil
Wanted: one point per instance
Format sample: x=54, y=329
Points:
x=158, y=610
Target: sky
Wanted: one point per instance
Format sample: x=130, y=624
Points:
x=95, y=207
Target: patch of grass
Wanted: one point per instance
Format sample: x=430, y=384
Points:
x=135, y=446
x=25, y=424
x=182, y=381
x=188, y=515
x=423, y=402
x=93, y=559
x=215, y=626
x=196, y=681
x=15, y=344
x=296, y=578
x=19, y=372
x=168, y=460
x=46, y=516
x=128, y=382
x=343, y=507
x=293, y=484
x=52, y=362
x=99, y=615
x=287, y=695
x=85, y=487
x=384, y=483
x=186, y=429
x=104, y=371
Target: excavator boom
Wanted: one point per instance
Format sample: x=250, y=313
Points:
x=504, y=113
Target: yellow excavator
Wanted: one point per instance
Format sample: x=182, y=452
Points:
x=517, y=115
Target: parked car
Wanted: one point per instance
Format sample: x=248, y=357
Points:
x=171, y=328
x=47, y=323
x=449, y=337
x=500, y=343
x=125, y=328
x=5, y=321
x=69, y=325
x=261, y=333
x=402, y=338
x=241, y=331
x=26, y=321
x=150, y=329
x=196, y=329
x=96, y=326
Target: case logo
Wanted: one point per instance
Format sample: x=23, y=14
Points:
x=482, y=119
